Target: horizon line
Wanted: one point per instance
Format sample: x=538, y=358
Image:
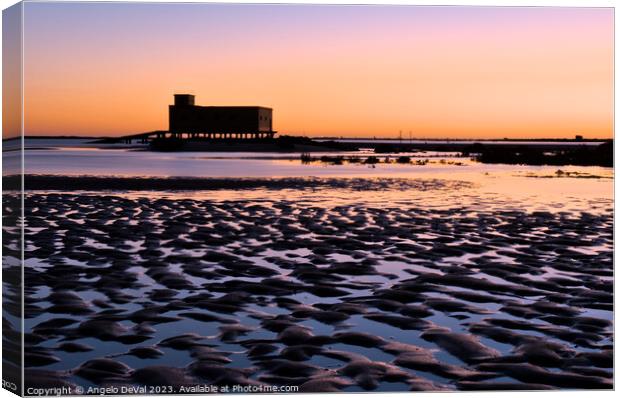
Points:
x=374, y=138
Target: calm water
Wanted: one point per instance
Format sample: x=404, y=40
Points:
x=514, y=183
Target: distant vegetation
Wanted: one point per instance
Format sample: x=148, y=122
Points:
x=372, y=160
x=555, y=155
x=601, y=155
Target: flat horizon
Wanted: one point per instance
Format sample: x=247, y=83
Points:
x=61, y=136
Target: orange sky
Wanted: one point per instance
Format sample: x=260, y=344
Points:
x=111, y=69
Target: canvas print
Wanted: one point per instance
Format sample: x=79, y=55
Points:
x=274, y=198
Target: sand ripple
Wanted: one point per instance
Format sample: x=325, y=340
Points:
x=328, y=298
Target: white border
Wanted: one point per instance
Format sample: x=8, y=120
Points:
x=539, y=3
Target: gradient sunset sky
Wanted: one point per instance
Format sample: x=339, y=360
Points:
x=363, y=71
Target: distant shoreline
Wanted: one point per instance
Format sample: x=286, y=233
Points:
x=394, y=140
x=532, y=152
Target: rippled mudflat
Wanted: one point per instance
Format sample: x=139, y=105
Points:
x=466, y=285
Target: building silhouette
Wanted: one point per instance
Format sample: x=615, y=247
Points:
x=188, y=120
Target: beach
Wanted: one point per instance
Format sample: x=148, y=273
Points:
x=322, y=284
x=266, y=272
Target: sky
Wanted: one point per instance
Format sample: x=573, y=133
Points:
x=352, y=71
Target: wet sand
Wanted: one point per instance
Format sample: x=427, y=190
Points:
x=151, y=290
x=71, y=183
